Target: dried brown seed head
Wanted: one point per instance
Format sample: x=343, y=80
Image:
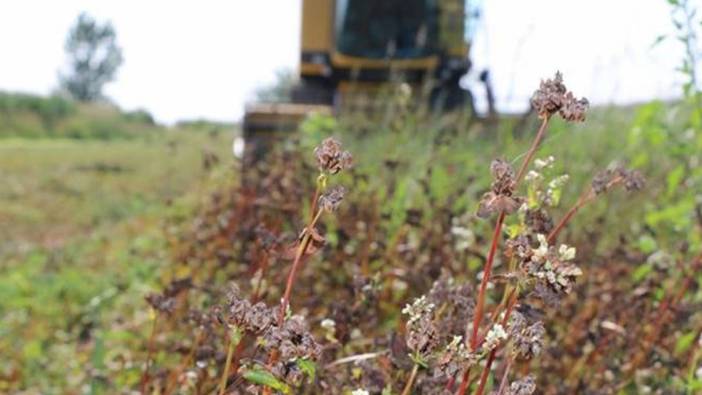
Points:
x=331, y=158
x=331, y=200
x=553, y=97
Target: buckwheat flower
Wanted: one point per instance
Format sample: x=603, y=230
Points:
x=422, y=335
x=544, y=163
x=566, y=253
x=633, y=180
x=331, y=158
x=548, y=99
x=500, y=198
x=573, y=110
x=539, y=254
x=553, y=97
x=524, y=386
x=533, y=175
x=495, y=336
x=331, y=200
x=601, y=181
x=528, y=340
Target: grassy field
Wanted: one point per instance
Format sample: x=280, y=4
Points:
x=83, y=227
x=90, y=226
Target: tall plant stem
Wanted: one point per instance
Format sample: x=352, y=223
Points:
x=234, y=338
x=480, y=306
x=149, y=356
x=304, y=243
x=478, y=316
x=584, y=199
x=532, y=150
x=505, y=376
x=491, y=357
x=410, y=382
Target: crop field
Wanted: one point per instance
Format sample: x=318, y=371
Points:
x=155, y=264
x=82, y=225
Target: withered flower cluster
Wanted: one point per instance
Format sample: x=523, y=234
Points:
x=527, y=338
x=524, y=386
x=292, y=339
x=331, y=158
x=501, y=195
x=165, y=302
x=632, y=180
x=553, y=96
x=552, y=268
x=422, y=336
x=331, y=199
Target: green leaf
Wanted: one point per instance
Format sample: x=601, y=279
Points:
x=307, y=367
x=674, y=179
x=684, y=342
x=647, y=244
x=264, y=377
x=641, y=272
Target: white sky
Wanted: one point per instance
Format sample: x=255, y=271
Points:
x=189, y=59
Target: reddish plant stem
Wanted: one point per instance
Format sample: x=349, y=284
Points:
x=491, y=357
x=505, y=376
x=478, y=316
x=306, y=239
x=465, y=382
x=532, y=150
x=486, y=373
x=584, y=199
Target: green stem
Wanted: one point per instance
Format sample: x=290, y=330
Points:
x=234, y=338
x=410, y=382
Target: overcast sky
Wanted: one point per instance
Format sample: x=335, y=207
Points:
x=189, y=59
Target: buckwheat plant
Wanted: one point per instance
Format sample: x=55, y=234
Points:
x=536, y=266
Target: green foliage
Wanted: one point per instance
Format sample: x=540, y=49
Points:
x=263, y=377
x=30, y=116
x=94, y=58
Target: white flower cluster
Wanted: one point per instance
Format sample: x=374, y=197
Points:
x=419, y=307
x=495, y=336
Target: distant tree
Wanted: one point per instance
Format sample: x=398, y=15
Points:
x=93, y=57
x=280, y=90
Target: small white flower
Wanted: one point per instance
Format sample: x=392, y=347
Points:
x=359, y=391
x=542, y=163
x=532, y=176
x=558, y=182
x=496, y=335
x=540, y=253
x=566, y=253
x=328, y=324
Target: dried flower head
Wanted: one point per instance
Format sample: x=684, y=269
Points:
x=528, y=339
x=454, y=358
x=524, y=386
x=573, y=110
x=161, y=303
x=331, y=158
x=422, y=335
x=548, y=99
x=553, y=96
x=331, y=200
x=552, y=269
x=500, y=197
x=293, y=340
x=632, y=180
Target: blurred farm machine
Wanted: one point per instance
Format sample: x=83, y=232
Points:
x=351, y=49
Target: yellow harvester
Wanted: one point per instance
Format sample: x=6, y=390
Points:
x=350, y=46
